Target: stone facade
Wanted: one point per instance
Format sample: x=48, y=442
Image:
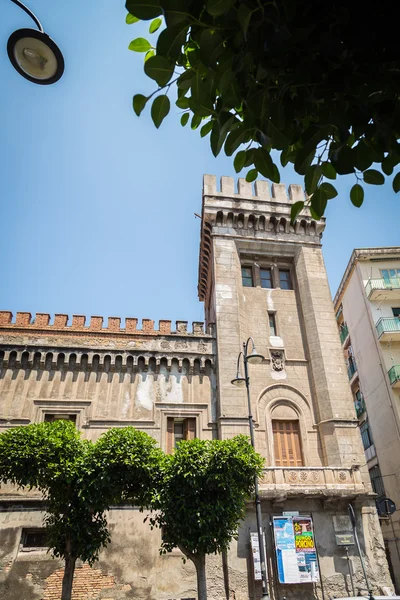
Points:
x=366, y=304
x=115, y=376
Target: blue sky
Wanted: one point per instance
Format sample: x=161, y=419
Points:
x=97, y=205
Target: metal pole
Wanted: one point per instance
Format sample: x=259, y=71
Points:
x=257, y=497
x=353, y=522
x=30, y=13
x=350, y=571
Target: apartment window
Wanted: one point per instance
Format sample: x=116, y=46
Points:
x=285, y=282
x=396, y=312
x=34, y=538
x=266, y=278
x=247, y=277
x=388, y=274
x=377, y=481
x=272, y=324
x=51, y=417
x=287, y=447
x=366, y=435
x=178, y=430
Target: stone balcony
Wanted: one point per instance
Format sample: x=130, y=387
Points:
x=311, y=481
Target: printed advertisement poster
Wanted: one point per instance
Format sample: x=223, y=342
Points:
x=255, y=549
x=295, y=550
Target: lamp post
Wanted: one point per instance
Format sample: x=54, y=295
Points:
x=34, y=54
x=239, y=381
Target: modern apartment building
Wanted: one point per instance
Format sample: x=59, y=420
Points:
x=367, y=306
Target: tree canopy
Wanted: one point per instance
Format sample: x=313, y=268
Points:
x=79, y=480
x=202, y=495
x=318, y=82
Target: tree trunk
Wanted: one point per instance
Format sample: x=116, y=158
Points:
x=68, y=578
x=200, y=564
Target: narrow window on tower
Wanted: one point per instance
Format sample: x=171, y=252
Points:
x=285, y=281
x=266, y=278
x=247, y=277
x=272, y=324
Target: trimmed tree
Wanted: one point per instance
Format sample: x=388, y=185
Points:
x=79, y=480
x=202, y=497
x=318, y=82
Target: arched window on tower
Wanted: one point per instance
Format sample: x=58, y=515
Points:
x=287, y=437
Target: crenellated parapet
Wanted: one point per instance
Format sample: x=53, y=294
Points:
x=62, y=323
x=261, y=213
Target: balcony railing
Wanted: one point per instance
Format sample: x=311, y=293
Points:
x=382, y=284
x=394, y=374
x=313, y=481
x=351, y=369
x=344, y=332
x=388, y=325
x=359, y=405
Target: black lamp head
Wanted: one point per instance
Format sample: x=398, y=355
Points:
x=35, y=56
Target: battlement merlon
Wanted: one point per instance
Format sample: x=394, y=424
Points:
x=42, y=322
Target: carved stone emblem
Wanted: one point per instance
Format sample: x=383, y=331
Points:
x=277, y=360
x=165, y=345
x=202, y=347
x=183, y=345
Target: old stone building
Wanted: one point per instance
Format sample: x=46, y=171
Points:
x=259, y=276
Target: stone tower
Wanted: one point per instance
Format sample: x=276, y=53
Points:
x=264, y=277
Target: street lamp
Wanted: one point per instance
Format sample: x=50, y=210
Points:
x=253, y=358
x=34, y=54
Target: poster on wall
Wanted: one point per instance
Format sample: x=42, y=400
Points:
x=255, y=550
x=295, y=550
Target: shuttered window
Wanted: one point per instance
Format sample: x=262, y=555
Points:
x=287, y=446
x=178, y=430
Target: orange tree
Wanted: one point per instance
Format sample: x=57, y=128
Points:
x=319, y=82
x=201, y=498
x=79, y=480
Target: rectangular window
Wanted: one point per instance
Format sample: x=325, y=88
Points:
x=50, y=417
x=272, y=324
x=266, y=278
x=396, y=312
x=287, y=447
x=178, y=430
x=34, y=538
x=366, y=435
x=247, y=277
x=377, y=481
x=284, y=280
x=389, y=274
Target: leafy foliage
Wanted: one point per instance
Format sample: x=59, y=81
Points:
x=79, y=480
x=202, y=496
x=319, y=83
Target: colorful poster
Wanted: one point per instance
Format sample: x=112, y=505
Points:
x=295, y=550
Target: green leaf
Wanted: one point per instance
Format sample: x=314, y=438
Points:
x=235, y=138
x=196, y=120
x=387, y=165
x=318, y=203
x=357, y=195
x=182, y=103
x=312, y=177
x=206, y=128
x=263, y=163
x=154, y=25
x=363, y=156
x=159, y=109
x=139, y=102
x=373, y=177
x=139, y=45
x=328, y=190
x=296, y=209
x=185, y=80
x=219, y=7
x=328, y=170
x=252, y=175
x=239, y=160
x=220, y=130
x=171, y=40
x=130, y=19
x=184, y=119
x=144, y=9
x=396, y=183
x=243, y=16
x=148, y=55
x=160, y=69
